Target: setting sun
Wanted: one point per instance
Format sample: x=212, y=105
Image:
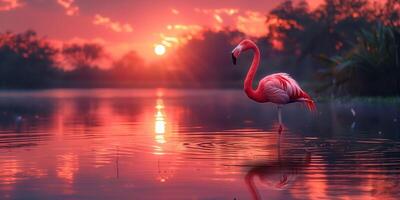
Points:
x=159, y=49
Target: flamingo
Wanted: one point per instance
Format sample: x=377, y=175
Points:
x=278, y=88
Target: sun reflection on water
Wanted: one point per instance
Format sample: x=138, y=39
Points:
x=165, y=170
x=159, y=126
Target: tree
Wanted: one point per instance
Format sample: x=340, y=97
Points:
x=82, y=56
x=26, y=60
x=207, y=59
x=371, y=67
x=330, y=28
x=130, y=66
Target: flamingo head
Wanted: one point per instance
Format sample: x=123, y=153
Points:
x=244, y=45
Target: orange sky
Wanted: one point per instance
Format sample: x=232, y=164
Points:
x=123, y=25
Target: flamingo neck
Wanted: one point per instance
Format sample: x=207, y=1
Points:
x=248, y=86
x=252, y=186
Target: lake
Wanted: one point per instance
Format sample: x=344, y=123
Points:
x=194, y=144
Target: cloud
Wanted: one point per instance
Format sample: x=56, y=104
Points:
x=185, y=28
x=218, y=18
x=6, y=5
x=113, y=25
x=226, y=11
x=252, y=23
x=177, y=34
x=175, y=11
x=70, y=7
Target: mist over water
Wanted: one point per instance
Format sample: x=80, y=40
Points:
x=194, y=144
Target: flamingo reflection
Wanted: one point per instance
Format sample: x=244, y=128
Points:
x=277, y=174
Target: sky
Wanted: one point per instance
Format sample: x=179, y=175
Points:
x=123, y=25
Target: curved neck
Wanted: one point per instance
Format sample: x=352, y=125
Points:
x=248, y=86
x=252, y=186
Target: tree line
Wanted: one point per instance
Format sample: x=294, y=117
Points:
x=342, y=47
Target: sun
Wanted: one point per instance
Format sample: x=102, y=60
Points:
x=159, y=49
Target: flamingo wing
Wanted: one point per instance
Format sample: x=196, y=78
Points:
x=280, y=88
x=275, y=93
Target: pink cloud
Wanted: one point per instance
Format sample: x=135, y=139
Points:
x=250, y=22
x=70, y=8
x=6, y=5
x=226, y=11
x=177, y=34
x=218, y=18
x=175, y=11
x=113, y=25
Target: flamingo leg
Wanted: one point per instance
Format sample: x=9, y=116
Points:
x=280, y=119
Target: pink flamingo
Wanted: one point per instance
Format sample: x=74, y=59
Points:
x=277, y=88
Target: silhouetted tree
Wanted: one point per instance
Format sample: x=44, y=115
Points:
x=26, y=60
x=82, y=58
x=389, y=13
x=128, y=67
x=84, y=55
x=330, y=28
x=208, y=58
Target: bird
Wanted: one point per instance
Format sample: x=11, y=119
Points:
x=277, y=88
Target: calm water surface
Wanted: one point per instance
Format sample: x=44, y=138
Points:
x=198, y=144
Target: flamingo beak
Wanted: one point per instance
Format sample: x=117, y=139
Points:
x=233, y=59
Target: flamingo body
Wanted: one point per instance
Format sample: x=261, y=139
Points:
x=282, y=89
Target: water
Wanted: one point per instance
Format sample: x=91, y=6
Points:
x=193, y=144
